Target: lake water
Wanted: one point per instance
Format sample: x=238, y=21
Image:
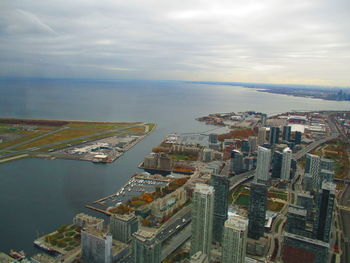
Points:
x=37, y=195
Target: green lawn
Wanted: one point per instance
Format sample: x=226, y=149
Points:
x=242, y=200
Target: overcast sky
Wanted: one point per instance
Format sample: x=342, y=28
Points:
x=277, y=41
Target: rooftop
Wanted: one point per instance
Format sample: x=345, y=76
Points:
x=43, y=258
x=204, y=189
x=237, y=222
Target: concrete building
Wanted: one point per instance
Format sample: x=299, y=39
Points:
x=123, y=226
x=202, y=219
x=263, y=165
x=286, y=164
x=221, y=186
x=236, y=161
x=274, y=135
x=261, y=136
x=287, y=132
x=257, y=210
x=147, y=248
x=86, y=221
x=306, y=200
x=96, y=246
x=234, y=240
x=324, y=211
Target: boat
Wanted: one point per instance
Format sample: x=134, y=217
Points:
x=17, y=255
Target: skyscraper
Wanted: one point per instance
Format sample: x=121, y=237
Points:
x=276, y=164
x=286, y=164
x=202, y=219
x=221, y=186
x=147, y=248
x=296, y=220
x=253, y=141
x=257, y=210
x=287, y=132
x=123, y=226
x=213, y=138
x=261, y=135
x=96, y=246
x=327, y=164
x=297, y=137
x=236, y=161
x=274, y=135
x=245, y=147
x=312, y=167
x=263, y=118
x=234, y=240
x=263, y=165
x=324, y=211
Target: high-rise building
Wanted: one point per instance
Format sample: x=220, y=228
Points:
x=257, y=210
x=327, y=164
x=296, y=220
x=123, y=226
x=263, y=165
x=306, y=201
x=221, y=186
x=202, y=219
x=277, y=158
x=274, y=135
x=287, y=132
x=236, y=161
x=286, y=164
x=298, y=249
x=147, y=248
x=312, y=167
x=86, y=221
x=324, y=211
x=261, y=136
x=253, y=141
x=234, y=240
x=245, y=147
x=96, y=246
x=297, y=137
x=213, y=138
x=263, y=119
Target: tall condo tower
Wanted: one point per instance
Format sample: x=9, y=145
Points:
x=257, y=210
x=286, y=164
x=202, y=219
x=263, y=165
x=234, y=240
x=221, y=186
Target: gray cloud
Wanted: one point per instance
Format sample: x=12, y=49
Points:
x=264, y=41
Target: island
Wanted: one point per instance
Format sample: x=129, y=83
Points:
x=100, y=142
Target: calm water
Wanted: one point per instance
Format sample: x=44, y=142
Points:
x=38, y=195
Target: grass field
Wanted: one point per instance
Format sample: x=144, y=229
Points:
x=242, y=200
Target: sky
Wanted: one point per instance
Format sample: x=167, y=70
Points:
x=269, y=41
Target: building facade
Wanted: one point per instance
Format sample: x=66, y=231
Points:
x=286, y=164
x=96, y=246
x=221, y=186
x=263, y=165
x=123, y=226
x=202, y=219
x=234, y=240
x=147, y=249
x=257, y=210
